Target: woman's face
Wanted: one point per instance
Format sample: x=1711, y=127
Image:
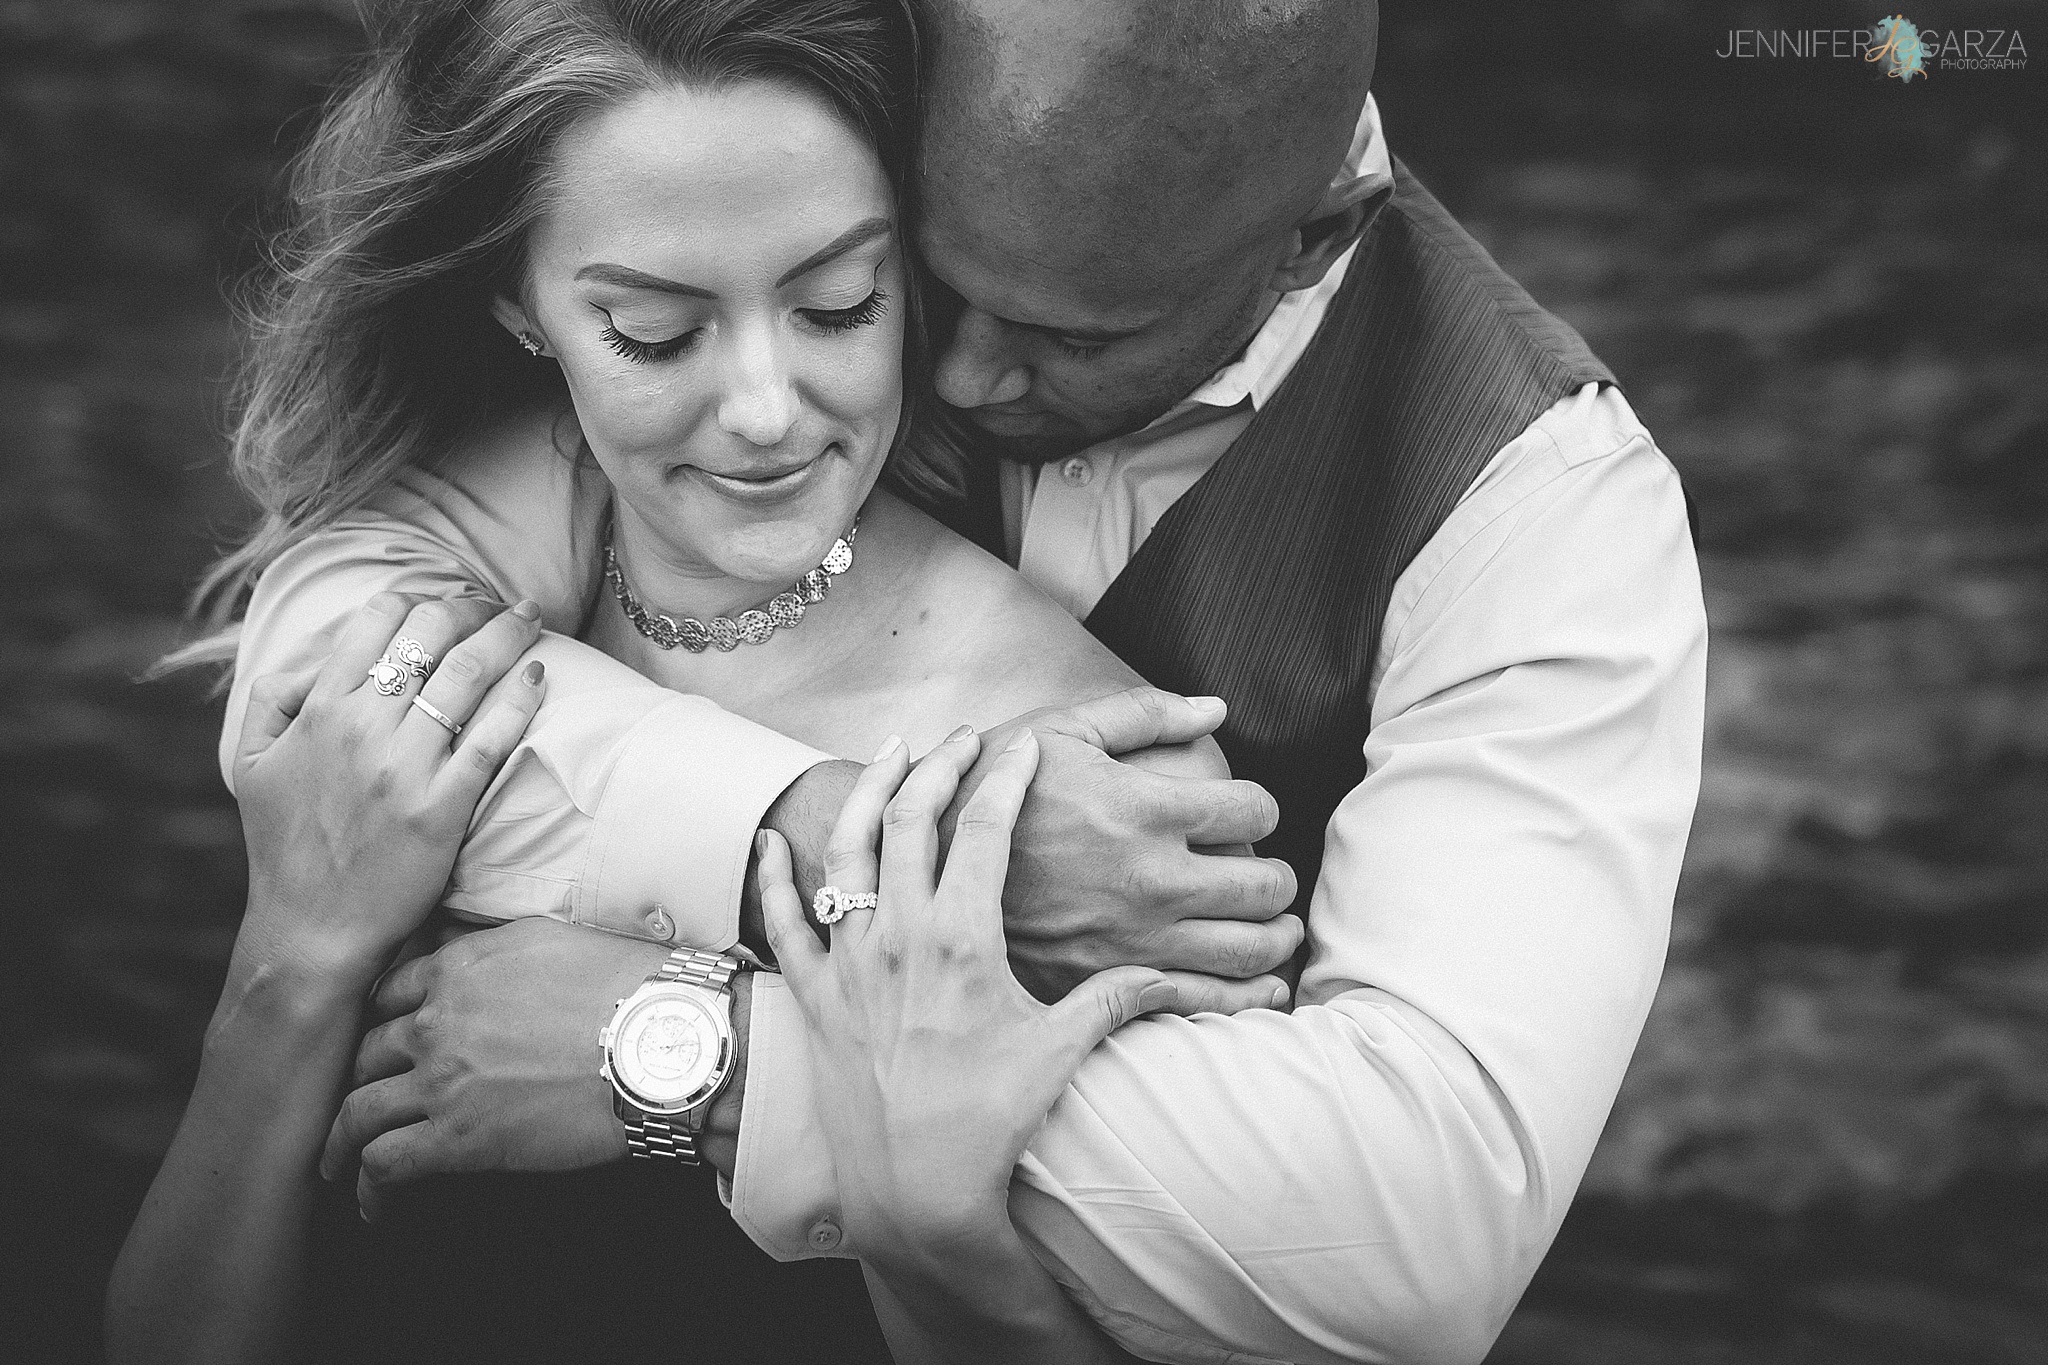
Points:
x=719, y=275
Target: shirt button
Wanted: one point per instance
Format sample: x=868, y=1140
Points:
x=1077, y=472
x=659, y=924
x=825, y=1235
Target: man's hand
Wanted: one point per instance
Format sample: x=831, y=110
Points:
x=485, y=1058
x=1104, y=866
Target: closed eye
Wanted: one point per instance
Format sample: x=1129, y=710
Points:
x=644, y=352
x=868, y=310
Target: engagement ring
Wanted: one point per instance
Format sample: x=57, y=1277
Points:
x=830, y=905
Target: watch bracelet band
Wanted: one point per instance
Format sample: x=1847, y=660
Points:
x=696, y=968
x=651, y=1136
x=657, y=1136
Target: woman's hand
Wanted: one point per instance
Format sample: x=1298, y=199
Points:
x=936, y=1066
x=354, y=800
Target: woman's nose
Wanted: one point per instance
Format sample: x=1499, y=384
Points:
x=759, y=402
x=975, y=369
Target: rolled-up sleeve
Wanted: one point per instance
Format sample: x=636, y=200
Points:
x=626, y=806
x=1375, y=1176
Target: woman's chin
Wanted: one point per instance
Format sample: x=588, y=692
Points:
x=776, y=553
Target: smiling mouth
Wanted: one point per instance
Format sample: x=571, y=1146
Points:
x=768, y=482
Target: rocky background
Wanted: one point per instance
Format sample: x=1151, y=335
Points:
x=1823, y=290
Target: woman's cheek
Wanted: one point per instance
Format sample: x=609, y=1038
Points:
x=630, y=413
x=864, y=391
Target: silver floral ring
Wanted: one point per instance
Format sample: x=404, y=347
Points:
x=411, y=655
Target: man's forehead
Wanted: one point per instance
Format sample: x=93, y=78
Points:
x=1009, y=266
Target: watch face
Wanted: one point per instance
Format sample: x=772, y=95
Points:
x=668, y=1048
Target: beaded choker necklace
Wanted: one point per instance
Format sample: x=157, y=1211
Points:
x=752, y=627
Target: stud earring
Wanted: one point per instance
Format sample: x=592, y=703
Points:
x=530, y=343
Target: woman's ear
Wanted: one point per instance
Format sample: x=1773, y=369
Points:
x=513, y=318
x=1339, y=219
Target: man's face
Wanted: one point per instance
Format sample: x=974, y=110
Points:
x=1048, y=344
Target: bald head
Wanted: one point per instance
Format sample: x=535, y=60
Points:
x=1108, y=128
x=1118, y=190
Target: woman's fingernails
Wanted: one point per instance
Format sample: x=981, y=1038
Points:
x=1024, y=737
x=961, y=733
x=1208, y=706
x=534, y=672
x=1280, y=994
x=760, y=843
x=527, y=610
x=888, y=749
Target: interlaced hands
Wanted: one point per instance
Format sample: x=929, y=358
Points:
x=935, y=1065
x=1115, y=854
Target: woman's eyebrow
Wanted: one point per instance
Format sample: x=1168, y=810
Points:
x=864, y=231
x=625, y=277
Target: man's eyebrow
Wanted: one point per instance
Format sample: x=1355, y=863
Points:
x=866, y=230
x=625, y=277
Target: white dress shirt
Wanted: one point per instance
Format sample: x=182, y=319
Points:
x=1373, y=1176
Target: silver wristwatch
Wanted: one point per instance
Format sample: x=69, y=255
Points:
x=668, y=1051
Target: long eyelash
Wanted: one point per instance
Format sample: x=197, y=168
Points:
x=642, y=352
x=1081, y=352
x=868, y=310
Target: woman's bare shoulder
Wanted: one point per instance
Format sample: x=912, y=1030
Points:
x=1002, y=644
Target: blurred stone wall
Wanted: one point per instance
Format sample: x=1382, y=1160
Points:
x=1823, y=291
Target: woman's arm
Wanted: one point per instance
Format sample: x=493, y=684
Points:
x=353, y=803
x=936, y=1066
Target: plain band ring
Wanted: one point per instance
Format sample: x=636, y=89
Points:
x=438, y=716
x=830, y=905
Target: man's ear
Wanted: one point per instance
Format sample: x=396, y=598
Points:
x=513, y=318
x=1339, y=219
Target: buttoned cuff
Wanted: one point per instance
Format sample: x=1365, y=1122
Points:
x=784, y=1193
x=674, y=825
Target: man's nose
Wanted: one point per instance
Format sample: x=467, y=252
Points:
x=975, y=368
x=758, y=403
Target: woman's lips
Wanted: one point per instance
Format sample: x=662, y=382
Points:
x=773, y=488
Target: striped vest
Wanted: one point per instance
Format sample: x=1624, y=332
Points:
x=1267, y=583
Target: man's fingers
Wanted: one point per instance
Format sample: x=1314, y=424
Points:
x=395, y=1158
x=385, y=1051
x=403, y=989
x=274, y=700
x=1199, y=993
x=1104, y=1003
x=1228, y=947
x=1138, y=718
x=366, y=1114
x=978, y=862
x=1211, y=810
x=489, y=740
x=1203, y=886
x=910, y=824
x=796, y=948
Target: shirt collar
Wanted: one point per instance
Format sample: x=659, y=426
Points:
x=1280, y=341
